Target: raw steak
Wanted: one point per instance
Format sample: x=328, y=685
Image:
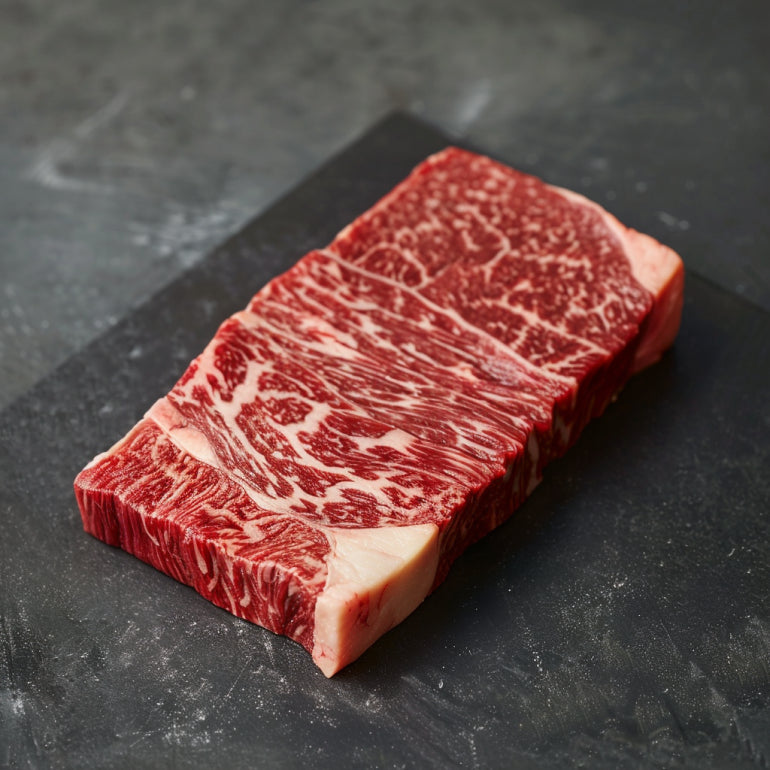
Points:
x=386, y=402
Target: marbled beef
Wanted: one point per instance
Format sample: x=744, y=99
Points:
x=386, y=402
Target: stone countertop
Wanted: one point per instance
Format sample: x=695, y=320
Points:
x=621, y=619
x=137, y=136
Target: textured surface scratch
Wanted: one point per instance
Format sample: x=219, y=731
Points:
x=46, y=169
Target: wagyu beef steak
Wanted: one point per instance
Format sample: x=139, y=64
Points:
x=386, y=402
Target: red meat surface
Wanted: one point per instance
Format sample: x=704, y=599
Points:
x=386, y=402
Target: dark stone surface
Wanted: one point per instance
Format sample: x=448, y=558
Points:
x=620, y=620
x=135, y=136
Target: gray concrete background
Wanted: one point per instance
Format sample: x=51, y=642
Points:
x=135, y=136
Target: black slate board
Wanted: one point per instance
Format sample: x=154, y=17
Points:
x=621, y=619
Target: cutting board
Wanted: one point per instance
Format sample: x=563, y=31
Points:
x=620, y=619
